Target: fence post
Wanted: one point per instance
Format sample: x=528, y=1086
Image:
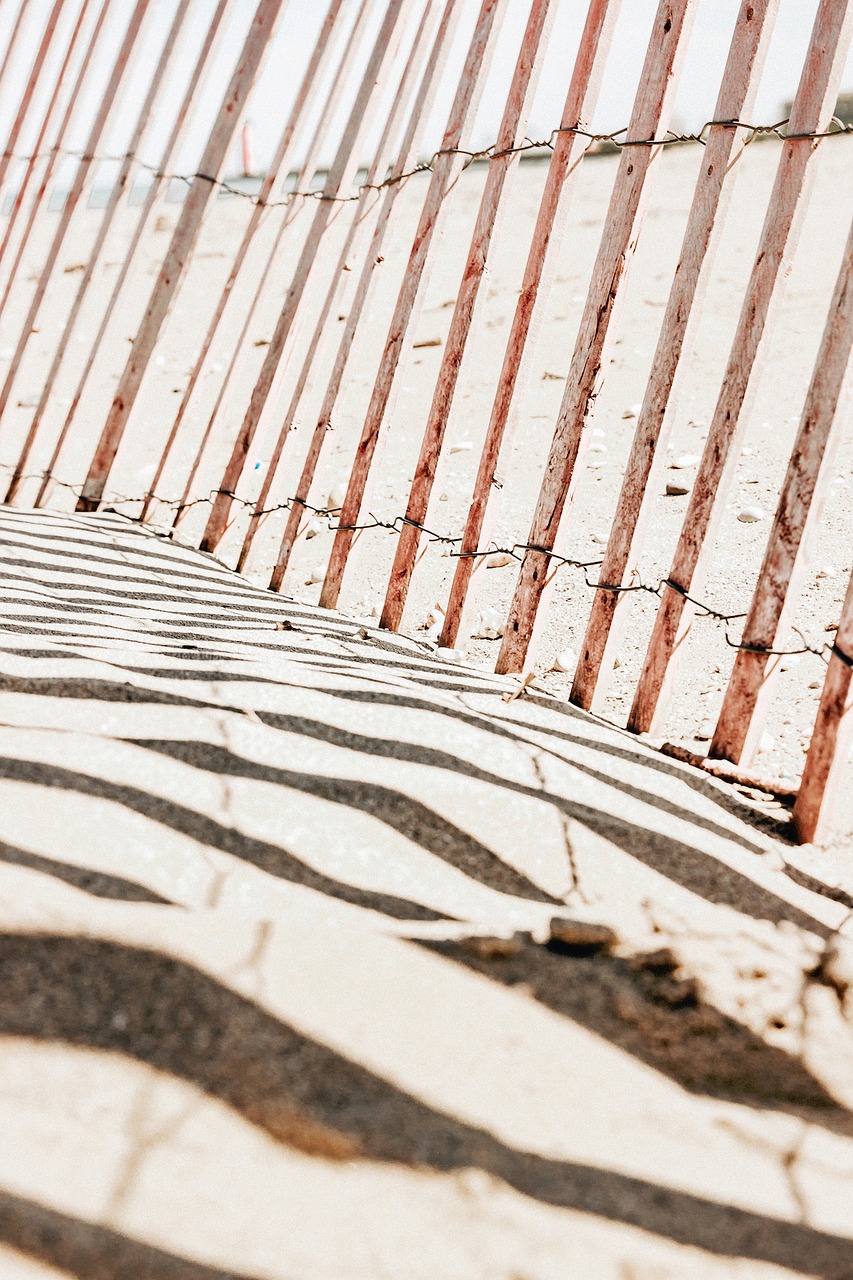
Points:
x=788, y=549
x=446, y=169
x=568, y=149
x=121, y=190
x=339, y=180
x=352, y=244
x=406, y=158
x=501, y=164
x=279, y=167
x=832, y=736
x=812, y=110
x=143, y=225
x=658, y=82
x=79, y=189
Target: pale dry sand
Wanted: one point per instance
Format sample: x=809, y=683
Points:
x=275, y=994
x=767, y=444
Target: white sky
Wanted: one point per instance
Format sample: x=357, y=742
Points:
x=301, y=21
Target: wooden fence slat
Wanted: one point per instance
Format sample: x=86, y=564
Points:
x=340, y=179
x=36, y=71
x=279, y=168
x=80, y=188
x=159, y=181
x=446, y=169
x=357, y=230
x=832, y=737
x=786, y=558
x=651, y=112
x=487, y=227
x=406, y=158
x=812, y=110
x=40, y=200
x=711, y=198
x=185, y=236
x=539, y=273
x=119, y=194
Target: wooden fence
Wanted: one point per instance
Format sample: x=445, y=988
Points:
x=99, y=260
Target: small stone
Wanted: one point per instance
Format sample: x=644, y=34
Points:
x=490, y=625
x=579, y=937
x=675, y=489
x=443, y=498
x=633, y=411
x=815, y=684
x=494, y=948
x=451, y=655
x=499, y=560
x=284, y=625
x=565, y=661
x=313, y=528
x=750, y=515
x=335, y=500
x=827, y=571
x=316, y=574
x=685, y=461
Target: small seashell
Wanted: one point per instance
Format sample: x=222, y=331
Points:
x=685, y=461
x=499, y=560
x=749, y=515
x=490, y=625
x=565, y=661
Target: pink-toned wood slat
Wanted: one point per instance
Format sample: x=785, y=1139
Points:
x=279, y=168
x=811, y=112
x=446, y=170
x=828, y=757
x=384, y=225
x=650, y=117
x=539, y=273
x=118, y=196
x=339, y=181
x=80, y=187
x=788, y=552
x=741, y=77
x=37, y=70
x=195, y=88
x=184, y=238
x=56, y=140
x=487, y=228
x=357, y=231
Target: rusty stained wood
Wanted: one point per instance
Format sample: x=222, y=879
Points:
x=486, y=229
x=356, y=232
x=813, y=107
x=406, y=158
x=80, y=187
x=279, y=167
x=339, y=181
x=144, y=225
x=37, y=70
x=119, y=194
x=832, y=737
x=202, y=191
x=650, y=117
x=788, y=551
x=446, y=169
x=712, y=195
x=38, y=207
x=540, y=270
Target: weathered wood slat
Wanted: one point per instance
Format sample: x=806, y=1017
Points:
x=487, y=228
x=539, y=274
x=340, y=180
x=118, y=196
x=135, y=249
x=80, y=188
x=812, y=110
x=650, y=116
x=788, y=552
x=832, y=737
x=278, y=169
x=201, y=192
x=647, y=457
x=446, y=169
x=357, y=231
x=384, y=224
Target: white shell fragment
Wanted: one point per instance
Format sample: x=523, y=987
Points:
x=686, y=460
x=316, y=574
x=313, y=527
x=335, y=500
x=565, y=661
x=490, y=625
x=499, y=560
x=749, y=515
